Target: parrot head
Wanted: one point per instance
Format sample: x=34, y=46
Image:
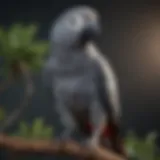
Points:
x=75, y=26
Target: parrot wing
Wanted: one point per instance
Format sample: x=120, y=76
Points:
x=106, y=83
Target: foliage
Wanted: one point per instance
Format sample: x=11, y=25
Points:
x=137, y=148
x=19, y=43
x=38, y=130
x=142, y=148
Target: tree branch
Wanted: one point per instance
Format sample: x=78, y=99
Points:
x=28, y=92
x=48, y=147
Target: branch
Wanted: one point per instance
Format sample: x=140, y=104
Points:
x=28, y=92
x=19, y=144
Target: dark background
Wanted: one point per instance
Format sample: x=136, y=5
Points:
x=130, y=39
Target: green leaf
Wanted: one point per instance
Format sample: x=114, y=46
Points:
x=47, y=133
x=151, y=138
x=28, y=34
x=141, y=148
x=19, y=43
x=39, y=47
x=24, y=129
x=14, y=36
x=37, y=128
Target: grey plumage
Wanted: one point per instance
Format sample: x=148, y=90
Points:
x=78, y=76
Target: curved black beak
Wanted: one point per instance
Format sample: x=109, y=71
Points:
x=91, y=32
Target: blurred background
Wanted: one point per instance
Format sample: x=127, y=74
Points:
x=131, y=39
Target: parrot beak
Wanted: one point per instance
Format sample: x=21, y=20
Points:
x=91, y=32
x=93, y=22
x=93, y=29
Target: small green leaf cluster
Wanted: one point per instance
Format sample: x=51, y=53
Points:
x=19, y=43
x=137, y=148
x=142, y=148
x=38, y=130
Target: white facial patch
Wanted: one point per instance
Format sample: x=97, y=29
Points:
x=75, y=22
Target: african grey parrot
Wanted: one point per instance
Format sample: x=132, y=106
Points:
x=84, y=87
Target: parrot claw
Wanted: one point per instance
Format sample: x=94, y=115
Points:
x=91, y=143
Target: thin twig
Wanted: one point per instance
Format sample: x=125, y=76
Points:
x=11, y=119
x=47, y=147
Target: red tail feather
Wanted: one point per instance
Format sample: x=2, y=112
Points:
x=111, y=133
x=108, y=131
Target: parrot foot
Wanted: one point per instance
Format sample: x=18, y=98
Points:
x=91, y=143
x=94, y=143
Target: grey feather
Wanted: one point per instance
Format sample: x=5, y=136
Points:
x=110, y=79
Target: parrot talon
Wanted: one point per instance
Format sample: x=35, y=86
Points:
x=91, y=143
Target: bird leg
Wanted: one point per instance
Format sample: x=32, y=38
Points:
x=67, y=121
x=97, y=132
x=98, y=121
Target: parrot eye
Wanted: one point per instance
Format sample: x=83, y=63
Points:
x=75, y=22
